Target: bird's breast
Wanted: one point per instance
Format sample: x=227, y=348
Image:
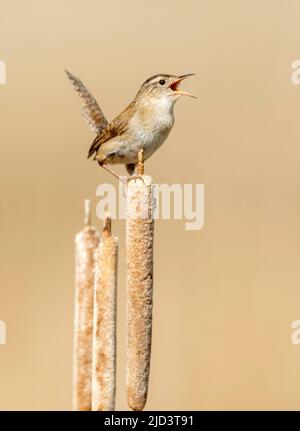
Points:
x=151, y=126
x=150, y=135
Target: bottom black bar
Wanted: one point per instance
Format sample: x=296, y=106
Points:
x=148, y=420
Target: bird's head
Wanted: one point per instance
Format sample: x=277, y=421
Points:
x=164, y=87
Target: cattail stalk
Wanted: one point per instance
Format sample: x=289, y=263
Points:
x=139, y=247
x=104, y=333
x=86, y=242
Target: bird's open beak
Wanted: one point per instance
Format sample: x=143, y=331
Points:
x=175, y=84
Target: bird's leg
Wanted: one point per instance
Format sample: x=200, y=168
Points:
x=104, y=166
x=140, y=168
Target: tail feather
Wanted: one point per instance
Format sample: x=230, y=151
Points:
x=91, y=112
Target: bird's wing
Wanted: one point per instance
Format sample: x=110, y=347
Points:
x=91, y=111
x=116, y=128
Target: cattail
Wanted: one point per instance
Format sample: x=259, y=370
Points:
x=104, y=332
x=86, y=242
x=139, y=247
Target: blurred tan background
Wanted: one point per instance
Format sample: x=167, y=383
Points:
x=225, y=296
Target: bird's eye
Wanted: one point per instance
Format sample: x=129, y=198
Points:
x=162, y=82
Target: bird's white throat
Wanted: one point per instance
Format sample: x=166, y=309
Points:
x=161, y=110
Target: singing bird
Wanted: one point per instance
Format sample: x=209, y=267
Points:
x=144, y=124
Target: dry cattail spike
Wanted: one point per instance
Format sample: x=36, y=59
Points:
x=106, y=231
x=139, y=247
x=87, y=212
x=104, y=333
x=86, y=242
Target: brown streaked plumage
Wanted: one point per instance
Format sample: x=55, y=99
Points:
x=118, y=126
x=144, y=124
x=91, y=111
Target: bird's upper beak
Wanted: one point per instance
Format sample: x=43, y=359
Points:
x=175, y=84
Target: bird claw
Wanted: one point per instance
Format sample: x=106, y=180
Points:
x=136, y=177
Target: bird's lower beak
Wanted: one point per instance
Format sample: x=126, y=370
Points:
x=175, y=84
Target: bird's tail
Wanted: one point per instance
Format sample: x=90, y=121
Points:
x=91, y=112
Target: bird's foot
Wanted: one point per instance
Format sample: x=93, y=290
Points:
x=140, y=168
x=136, y=177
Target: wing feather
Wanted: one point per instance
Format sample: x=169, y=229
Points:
x=116, y=128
